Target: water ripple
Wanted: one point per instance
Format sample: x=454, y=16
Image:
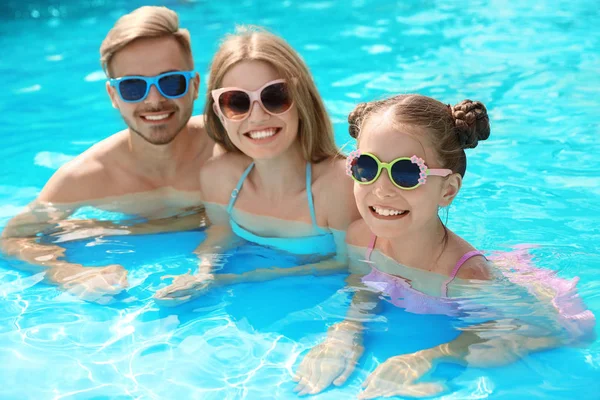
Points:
x=534, y=183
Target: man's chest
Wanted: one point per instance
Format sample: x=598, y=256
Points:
x=154, y=203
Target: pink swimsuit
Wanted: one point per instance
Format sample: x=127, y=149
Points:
x=572, y=312
x=403, y=295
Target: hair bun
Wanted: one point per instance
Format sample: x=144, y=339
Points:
x=356, y=116
x=472, y=123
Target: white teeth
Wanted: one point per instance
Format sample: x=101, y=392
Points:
x=156, y=117
x=262, y=134
x=386, y=212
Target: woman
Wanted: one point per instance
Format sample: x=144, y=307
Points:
x=281, y=184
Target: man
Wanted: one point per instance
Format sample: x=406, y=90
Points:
x=149, y=170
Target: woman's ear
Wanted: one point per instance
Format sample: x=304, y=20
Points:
x=450, y=189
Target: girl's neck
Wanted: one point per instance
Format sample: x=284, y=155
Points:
x=420, y=249
x=282, y=174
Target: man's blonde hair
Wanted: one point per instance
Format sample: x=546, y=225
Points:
x=250, y=43
x=143, y=23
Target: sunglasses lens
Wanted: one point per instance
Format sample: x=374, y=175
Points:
x=276, y=98
x=405, y=173
x=364, y=169
x=234, y=104
x=132, y=89
x=173, y=85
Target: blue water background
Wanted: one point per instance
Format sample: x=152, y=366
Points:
x=536, y=181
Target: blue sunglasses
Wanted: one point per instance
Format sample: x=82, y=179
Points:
x=171, y=85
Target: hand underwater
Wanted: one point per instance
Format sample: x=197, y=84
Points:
x=96, y=284
x=331, y=361
x=397, y=376
x=184, y=288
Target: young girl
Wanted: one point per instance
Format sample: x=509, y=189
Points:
x=410, y=162
x=274, y=186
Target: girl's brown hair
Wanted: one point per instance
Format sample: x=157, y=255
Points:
x=451, y=128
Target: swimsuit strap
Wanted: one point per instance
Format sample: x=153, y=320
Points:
x=309, y=195
x=371, y=247
x=235, y=192
x=459, y=264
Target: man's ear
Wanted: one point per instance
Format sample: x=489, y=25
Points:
x=196, y=80
x=112, y=93
x=450, y=189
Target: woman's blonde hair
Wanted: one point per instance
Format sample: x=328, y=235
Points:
x=143, y=23
x=256, y=44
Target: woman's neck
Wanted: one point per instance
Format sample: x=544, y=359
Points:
x=283, y=174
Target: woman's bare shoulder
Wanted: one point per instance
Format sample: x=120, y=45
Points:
x=220, y=174
x=333, y=193
x=359, y=234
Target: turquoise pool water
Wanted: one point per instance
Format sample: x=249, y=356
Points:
x=536, y=181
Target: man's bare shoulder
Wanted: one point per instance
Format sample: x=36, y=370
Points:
x=88, y=175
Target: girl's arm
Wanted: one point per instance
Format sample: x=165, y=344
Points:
x=514, y=330
x=491, y=344
x=483, y=345
x=334, y=359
